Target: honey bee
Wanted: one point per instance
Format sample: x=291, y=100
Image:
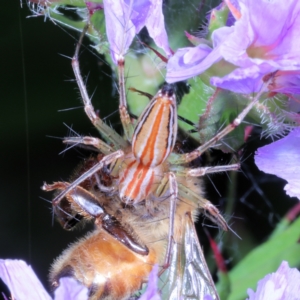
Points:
x=143, y=197
x=115, y=259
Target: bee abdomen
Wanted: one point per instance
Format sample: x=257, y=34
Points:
x=108, y=268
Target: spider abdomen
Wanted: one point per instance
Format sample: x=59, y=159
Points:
x=138, y=181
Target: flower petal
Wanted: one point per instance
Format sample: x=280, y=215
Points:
x=242, y=80
x=119, y=27
x=263, y=38
x=152, y=292
x=70, y=289
x=125, y=18
x=286, y=82
x=281, y=159
x=21, y=280
x=263, y=34
x=189, y=62
x=281, y=285
x=155, y=24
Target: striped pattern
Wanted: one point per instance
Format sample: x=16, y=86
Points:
x=137, y=182
x=155, y=134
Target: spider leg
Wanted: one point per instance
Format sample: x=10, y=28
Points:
x=124, y=115
x=188, y=157
x=198, y=172
x=173, y=198
x=90, y=141
x=203, y=204
x=106, y=160
x=108, y=133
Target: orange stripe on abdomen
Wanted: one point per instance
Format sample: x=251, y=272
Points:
x=136, y=183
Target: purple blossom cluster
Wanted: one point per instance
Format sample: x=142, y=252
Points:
x=260, y=41
x=259, y=38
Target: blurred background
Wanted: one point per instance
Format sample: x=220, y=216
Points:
x=36, y=83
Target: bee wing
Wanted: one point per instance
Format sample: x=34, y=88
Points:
x=188, y=276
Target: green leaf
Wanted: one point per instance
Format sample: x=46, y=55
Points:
x=193, y=104
x=211, y=110
x=265, y=259
x=218, y=19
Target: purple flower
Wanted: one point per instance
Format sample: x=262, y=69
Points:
x=284, y=284
x=125, y=18
x=281, y=159
x=287, y=82
x=260, y=42
x=24, y=284
x=152, y=292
